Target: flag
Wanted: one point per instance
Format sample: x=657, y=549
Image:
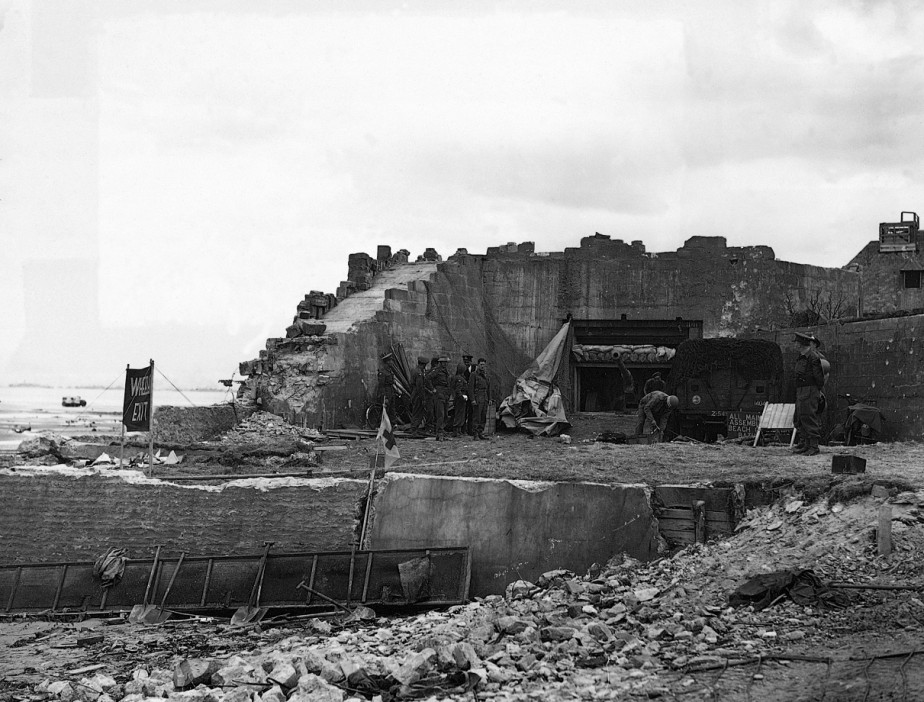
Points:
x=387, y=438
x=136, y=406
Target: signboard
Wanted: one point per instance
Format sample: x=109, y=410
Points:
x=136, y=407
x=743, y=424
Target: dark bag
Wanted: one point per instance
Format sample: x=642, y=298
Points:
x=822, y=403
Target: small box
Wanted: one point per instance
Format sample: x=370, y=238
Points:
x=847, y=464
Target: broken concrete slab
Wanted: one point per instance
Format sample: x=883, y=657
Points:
x=515, y=529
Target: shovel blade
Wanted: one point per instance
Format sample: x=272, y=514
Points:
x=138, y=613
x=246, y=615
x=155, y=615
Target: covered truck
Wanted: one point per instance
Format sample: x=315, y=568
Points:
x=723, y=385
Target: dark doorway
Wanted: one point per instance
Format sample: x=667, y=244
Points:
x=602, y=389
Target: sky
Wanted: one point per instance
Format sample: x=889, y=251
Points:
x=176, y=176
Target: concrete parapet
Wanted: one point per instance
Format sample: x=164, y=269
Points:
x=186, y=425
x=57, y=514
x=516, y=529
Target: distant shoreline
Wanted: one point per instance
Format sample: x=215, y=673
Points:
x=103, y=387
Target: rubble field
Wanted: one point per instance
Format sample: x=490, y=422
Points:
x=623, y=630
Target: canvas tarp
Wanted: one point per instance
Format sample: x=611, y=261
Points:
x=535, y=404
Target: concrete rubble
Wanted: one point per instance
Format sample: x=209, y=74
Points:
x=623, y=628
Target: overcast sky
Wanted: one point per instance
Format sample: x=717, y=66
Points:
x=175, y=176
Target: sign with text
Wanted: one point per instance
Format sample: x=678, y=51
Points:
x=136, y=407
x=743, y=424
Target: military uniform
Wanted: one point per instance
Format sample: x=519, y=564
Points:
x=438, y=383
x=654, y=407
x=458, y=389
x=810, y=379
x=479, y=393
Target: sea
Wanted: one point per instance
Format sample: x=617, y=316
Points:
x=26, y=411
x=21, y=398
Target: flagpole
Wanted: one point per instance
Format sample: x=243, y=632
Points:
x=151, y=423
x=375, y=463
x=122, y=443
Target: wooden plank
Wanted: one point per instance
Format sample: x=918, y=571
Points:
x=678, y=513
x=714, y=526
x=777, y=416
x=699, y=521
x=884, y=532
x=682, y=496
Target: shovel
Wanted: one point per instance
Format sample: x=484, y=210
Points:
x=157, y=615
x=253, y=612
x=138, y=611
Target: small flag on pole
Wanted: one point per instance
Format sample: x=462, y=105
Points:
x=387, y=438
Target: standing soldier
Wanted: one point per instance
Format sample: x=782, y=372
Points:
x=419, y=396
x=479, y=394
x=438, y=381
x=469, y=369
x=458, y=388
x=385, y=391
x=810, y=379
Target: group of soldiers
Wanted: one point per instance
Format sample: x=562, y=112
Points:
x=444, y=403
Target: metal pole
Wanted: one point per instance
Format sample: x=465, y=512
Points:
x=375, y=463
x=122, y=444
x=151, y=423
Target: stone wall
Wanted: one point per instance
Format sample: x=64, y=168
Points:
x=876, y=360
x=49, y=515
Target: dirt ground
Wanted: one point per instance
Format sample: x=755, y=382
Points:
x=629, y=630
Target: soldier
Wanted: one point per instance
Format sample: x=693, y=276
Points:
x=469, y=369
x=438, y=382
x=458, y=388
x=420, y=398
x=655, y=407
x=810, y=379
x=479, y=393
x=653, y=383
x=385, y=390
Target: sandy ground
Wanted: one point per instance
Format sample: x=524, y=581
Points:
x=516, y=455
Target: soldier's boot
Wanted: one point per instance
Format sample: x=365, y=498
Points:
x=801, y=447
x=812, y=448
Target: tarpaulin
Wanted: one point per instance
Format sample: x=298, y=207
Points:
x=535, y=404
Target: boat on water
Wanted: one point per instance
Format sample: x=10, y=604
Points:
x=73, y=402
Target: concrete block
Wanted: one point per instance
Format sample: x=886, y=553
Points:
x=396, y=294
x=516, y=529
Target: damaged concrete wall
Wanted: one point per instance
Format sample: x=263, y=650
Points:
x=187, y=425
x=50, y=514
x=883, y=282
x=732, y=289
x=875, y=360
x=508, y=304
x=516, y=529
